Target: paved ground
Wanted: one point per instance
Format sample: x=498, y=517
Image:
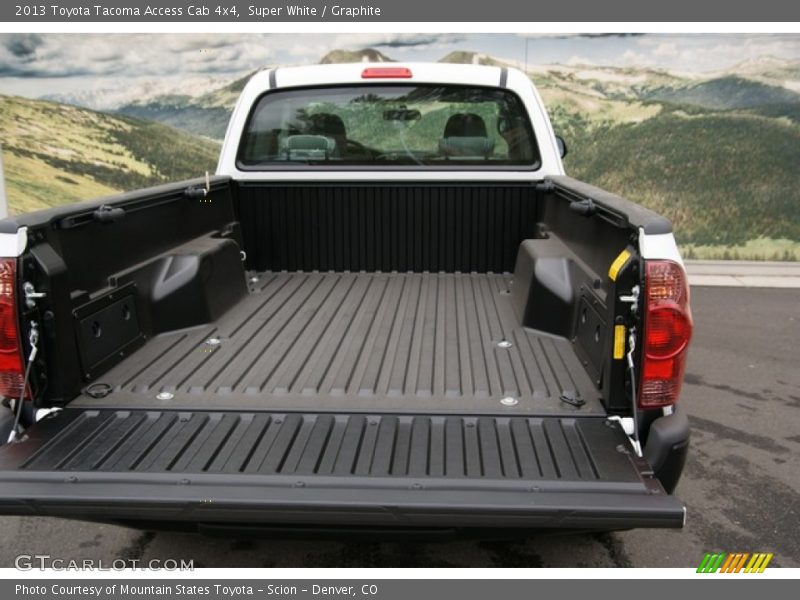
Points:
x=742, y=483
x=743, y=273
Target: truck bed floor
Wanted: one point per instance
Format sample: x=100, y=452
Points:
x=408, y=342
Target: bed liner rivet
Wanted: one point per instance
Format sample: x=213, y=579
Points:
x=509, y=401
x=213, y=341
x=164, y=396
x=504, y=344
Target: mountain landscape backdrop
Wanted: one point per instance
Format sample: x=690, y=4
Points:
x=717, y=152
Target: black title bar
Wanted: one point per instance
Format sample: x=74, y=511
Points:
x=267, y=11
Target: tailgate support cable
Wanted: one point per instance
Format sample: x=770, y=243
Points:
x=34, y=340
x=637, y=446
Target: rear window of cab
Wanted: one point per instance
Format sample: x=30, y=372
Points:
x=416, y=126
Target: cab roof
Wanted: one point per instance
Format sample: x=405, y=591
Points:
x=350, y=73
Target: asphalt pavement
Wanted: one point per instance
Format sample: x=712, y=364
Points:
x=741, y=484
x=744, y=273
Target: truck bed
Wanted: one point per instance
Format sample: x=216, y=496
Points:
x=386, y=342
x=353, y=384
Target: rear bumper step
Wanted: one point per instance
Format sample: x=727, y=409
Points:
x=333, y=470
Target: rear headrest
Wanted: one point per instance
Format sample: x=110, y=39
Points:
x=466, y=146
x=309, y=147
x=465, y=125
x=326, y=124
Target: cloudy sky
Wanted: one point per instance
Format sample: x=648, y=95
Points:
x=63, y=65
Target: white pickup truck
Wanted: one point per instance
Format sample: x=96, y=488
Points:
x=389, y=309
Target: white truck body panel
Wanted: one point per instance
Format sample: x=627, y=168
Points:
x=13, y=244
x=344, y=74
x=659, y=246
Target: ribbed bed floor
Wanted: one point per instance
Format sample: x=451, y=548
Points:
x=358, y=341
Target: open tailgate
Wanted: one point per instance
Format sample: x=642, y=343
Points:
x=327, y=469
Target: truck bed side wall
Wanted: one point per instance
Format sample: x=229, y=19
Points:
x=593, y=257
x=164, y=261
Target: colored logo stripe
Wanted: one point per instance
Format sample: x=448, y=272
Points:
x=732, y=558
x=734, y=563
x=758, y=563
x=711, y=562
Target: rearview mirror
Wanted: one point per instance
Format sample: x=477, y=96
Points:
x=562, y=146
x=401, y=114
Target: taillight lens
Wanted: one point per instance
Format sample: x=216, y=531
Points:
x=12, y=367
x=667, y=331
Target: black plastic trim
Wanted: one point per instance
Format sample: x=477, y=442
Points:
x=615, y=207
x=130, y=201
x=667, y=447
x=416, y=506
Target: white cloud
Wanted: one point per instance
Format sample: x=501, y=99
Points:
x=40, y=64
x=138, y=54
x=666, y=49
x=631, y=57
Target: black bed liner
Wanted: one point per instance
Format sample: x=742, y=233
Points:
x=398, y=342
x=332, y=469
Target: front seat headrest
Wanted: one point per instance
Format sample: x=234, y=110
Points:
x=465, y=125
x=326, y=124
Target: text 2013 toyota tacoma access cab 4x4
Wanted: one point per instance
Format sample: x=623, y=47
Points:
x=389, y=309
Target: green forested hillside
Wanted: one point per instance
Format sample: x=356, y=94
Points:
x=55, y=153
x=720, y=158
x=725, y=93
x=723, y=178
x=205, y=116
x=183, y=113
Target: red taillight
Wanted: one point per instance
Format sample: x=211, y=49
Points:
x=386, y=73
x=667, y=331
x=12, y=367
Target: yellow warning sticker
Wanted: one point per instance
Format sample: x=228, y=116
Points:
x=619, y=342
x=617, y=265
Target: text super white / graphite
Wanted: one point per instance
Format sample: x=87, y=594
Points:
x=297, y=10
